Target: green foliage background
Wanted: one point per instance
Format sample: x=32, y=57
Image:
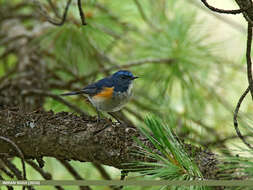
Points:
x=199, y=88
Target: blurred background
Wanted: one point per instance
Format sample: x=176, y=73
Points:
x=191, y=64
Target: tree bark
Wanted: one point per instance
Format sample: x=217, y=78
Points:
x=68, y=136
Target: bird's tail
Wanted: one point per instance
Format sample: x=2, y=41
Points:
x=72, y=93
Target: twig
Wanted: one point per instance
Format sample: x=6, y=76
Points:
x=102, y=171
x=248, y=19
x=248, y=57
x=9, y=174
x=237, y=11
x=21, y=155
x=82, y=15
x=104, y=174
x=44, y=174
x=64, y=15
x=12, y=168
x=230, y=22
x=63, y=19
x=222, y=141
x=227, y=106
x=49, y=19
x=73, y=172
x=54, y=8
x=244, y=4
x=58, y=98
x=8, y=187
x=235, y=118
x=40, y=161
x=16, y=171
x=70, y=169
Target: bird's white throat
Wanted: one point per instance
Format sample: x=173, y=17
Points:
x=129, y=90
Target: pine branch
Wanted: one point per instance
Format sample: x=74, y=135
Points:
x=74, y=173
x=235, y=118
x=64, y=136
x=44, y=174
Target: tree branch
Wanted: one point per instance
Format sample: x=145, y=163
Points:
x=17, y=149
x=82, y=15
x=44, y=13
x=235, y=118
x=236, y=25
x=44, y=174
x=246, y=4
x=238, y=11
x=71, y=137
x=248, y=57
x=74, y=173
x=8, y=187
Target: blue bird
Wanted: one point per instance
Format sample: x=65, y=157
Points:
x=109, y=94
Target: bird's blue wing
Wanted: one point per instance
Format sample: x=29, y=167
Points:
x=90, y=89
x=94, y=88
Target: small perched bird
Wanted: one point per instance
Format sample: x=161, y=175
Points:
x=109, y=94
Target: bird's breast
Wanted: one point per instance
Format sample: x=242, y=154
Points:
x=111, y=103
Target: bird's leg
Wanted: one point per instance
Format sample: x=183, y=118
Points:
x=115, y=117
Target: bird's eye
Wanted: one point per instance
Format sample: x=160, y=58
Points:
x=124, y=77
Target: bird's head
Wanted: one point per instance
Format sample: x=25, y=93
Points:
x=124, y=75
x=123, y=79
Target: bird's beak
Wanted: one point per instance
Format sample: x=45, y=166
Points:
x=133, y=78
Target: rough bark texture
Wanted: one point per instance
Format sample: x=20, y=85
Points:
x=71, y=137
x=67, y=136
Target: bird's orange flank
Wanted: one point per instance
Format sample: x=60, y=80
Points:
x=107, y=92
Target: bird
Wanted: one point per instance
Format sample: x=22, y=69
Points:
x=109, y=94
